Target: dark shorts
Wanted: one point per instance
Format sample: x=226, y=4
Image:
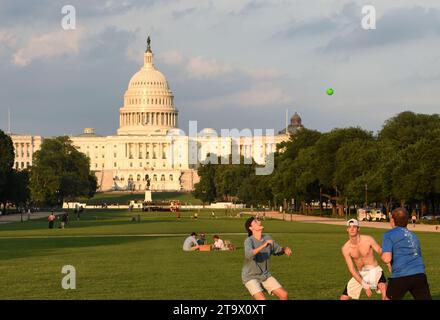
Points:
x=382, y=279
x=416, y=284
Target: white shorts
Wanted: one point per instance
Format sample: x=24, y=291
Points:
x=254, y=286
x=370, y=275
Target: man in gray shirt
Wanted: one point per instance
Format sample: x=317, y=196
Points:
x=190, y=243
x=258, y=248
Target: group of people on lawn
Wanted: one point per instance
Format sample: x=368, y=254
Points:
x=400, y=252
x=191, y=243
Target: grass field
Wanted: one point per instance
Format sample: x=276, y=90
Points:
x=124, y=197
x=119, y=259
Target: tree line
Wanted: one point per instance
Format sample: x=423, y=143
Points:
x=400, y=165
x=59, y=172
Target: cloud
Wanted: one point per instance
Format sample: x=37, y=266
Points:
x=257, y=5
x=262, y=94
x=7, y=41
x=49, y=45
x=81, y=90
x=177, y=14
x=172, y=57
x=200, y=67
x=205, y=68
x=349, y=15
x=262, y=73
x=24, y=11
x=396, y=26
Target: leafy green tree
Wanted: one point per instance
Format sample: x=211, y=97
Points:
x=324, y=162
x=6, y=164
x=60, y=172
x=416, y=175
x=255, y=190
x=407, y=128
x=284, y=181
x=229, y=177
x=205, y=189
x=355, y=162
x=18, y=192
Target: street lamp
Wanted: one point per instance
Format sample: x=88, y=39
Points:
x=366, y=195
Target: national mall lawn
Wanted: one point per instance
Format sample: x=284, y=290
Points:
x=116, y=258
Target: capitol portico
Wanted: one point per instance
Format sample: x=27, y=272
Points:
x=148, y=143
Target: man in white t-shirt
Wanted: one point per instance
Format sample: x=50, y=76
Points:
x=190, y=243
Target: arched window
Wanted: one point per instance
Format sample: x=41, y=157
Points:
x=154, y=177
x=130, y=177
x=171, y=177
x=162, y=177
x=138, y=178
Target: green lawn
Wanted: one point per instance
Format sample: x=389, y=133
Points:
x=125, y=197
x=115, y=260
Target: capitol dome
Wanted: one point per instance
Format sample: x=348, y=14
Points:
x=148, y=102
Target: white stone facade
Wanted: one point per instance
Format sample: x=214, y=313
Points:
x=24, y=148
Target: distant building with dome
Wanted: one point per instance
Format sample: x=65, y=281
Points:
x=294, y=126
x=149, y=145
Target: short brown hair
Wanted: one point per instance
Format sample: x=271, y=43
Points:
x=400, y=217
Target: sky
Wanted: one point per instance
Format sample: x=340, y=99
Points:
x=230, y=63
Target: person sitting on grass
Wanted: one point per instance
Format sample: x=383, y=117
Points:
x=218, y=243
x=202, y=239
x=190, y=243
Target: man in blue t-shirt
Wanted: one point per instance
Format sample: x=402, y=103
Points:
x=401, y=248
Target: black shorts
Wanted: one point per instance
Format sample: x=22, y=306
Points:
x=416, y=284
x=382, y=279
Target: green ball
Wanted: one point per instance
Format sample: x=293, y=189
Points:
x=330, y=91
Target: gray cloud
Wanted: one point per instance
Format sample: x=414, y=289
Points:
x=394, y=27
x=348, y=16
x=177, y=14
x=64, y=94
x=15, y=12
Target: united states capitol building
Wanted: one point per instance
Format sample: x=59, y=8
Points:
x=149, y=145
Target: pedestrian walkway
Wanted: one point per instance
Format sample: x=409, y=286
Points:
x=341, y=222
x=16, y=217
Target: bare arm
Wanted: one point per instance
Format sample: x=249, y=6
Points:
x=387, y=257
x=376, y=247
x=350, y=265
